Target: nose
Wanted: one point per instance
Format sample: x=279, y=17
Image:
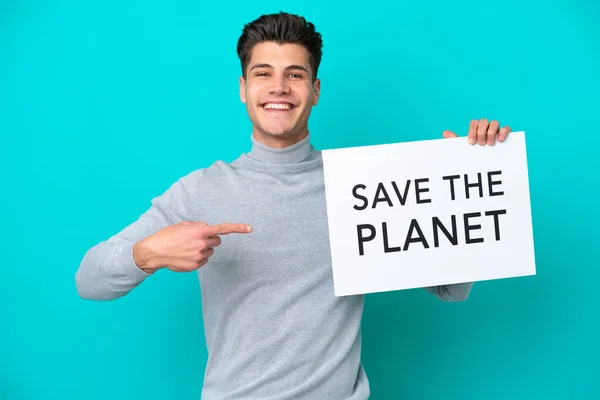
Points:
x=279, y=85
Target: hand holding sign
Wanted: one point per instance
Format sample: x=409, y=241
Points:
x=429, y=213
x=182, y=247
x=482, y=132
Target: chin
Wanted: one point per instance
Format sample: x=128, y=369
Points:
x=277, y=132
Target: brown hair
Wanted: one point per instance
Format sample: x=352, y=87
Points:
x=281, y=28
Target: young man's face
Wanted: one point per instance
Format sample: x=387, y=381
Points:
x=279, y=93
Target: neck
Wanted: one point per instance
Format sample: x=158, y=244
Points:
x=294, y=152
x=279, y=142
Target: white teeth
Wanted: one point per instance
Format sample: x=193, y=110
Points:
x=277, y=106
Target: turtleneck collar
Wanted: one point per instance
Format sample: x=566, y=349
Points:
x=288, y=155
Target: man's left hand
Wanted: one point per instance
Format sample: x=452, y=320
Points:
x=483, y=132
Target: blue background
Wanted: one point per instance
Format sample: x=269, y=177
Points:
x=103, y=104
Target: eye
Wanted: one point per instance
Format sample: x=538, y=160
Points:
x=295, y=75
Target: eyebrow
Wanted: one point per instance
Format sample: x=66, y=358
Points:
x=264, y=65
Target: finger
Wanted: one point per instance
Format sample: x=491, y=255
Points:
x=492, y=132
x=201, y=263
x=212, y=241
x=209, y=242
x=482, y=131
x=449, y=135
x=227, y=228
x=503, y=133
x=473, y=131
x=207, y=253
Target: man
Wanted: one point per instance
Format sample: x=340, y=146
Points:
x=256, y=231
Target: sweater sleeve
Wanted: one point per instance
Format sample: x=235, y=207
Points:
x=108, y=270
x=453, y=293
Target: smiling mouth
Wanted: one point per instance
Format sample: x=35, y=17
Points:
x=278, y=106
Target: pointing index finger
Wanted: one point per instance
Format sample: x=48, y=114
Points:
x=227, y=228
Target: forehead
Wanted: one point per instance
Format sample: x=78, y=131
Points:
x=279, y=55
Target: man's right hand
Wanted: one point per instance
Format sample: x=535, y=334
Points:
x=182, y=247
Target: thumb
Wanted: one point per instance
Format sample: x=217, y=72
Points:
x=449, y=135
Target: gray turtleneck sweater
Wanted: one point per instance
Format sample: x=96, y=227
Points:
x=273, y=327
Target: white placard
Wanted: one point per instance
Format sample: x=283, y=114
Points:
x=399, y=216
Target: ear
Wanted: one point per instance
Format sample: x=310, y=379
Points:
x=317, y=94
x=242, y=89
